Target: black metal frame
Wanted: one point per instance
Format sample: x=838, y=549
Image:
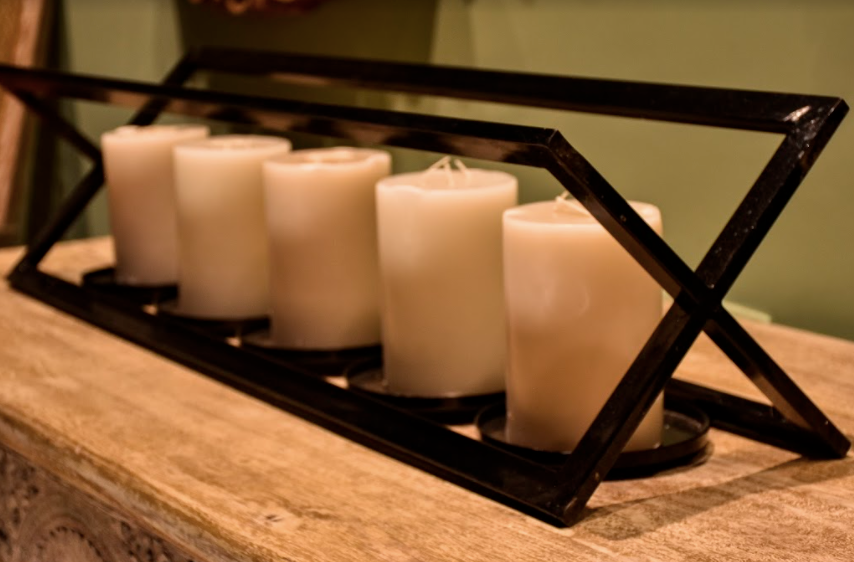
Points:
x=556, y=495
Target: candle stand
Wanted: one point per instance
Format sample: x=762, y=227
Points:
x=556, y=492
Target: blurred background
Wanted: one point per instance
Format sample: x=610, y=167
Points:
x=801, y=276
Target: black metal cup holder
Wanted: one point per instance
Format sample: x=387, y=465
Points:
x=224, y=328
x=324, y=363
x=554, y=493
x=684, y=442
x=104, y=280
x=366, y=377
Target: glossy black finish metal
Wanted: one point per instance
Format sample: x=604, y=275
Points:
x=806, y=123
x=736, y=109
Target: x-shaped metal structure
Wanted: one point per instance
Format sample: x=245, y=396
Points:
x=555, y=494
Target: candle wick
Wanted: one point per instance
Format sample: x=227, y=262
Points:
x=563, y=202
x=464, y=169
x=440, y=163
x=443, y=164
x=449, y=172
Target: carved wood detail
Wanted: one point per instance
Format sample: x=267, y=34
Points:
x=45, y=520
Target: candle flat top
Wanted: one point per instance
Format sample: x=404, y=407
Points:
x=339, y=156
x=450, y=180
x=236, y=143
x=570, y=214
x=156, y=132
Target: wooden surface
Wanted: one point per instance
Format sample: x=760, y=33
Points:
x=227, y=477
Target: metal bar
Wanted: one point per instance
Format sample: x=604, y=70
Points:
x=769, y=195
x=472, y=464
x=738, y=109
x=607, y=436
x=827, y=440
x=387, y=128
x=753, y=420
x=59, y=124
x=59, y=223
x=615, y=214
x=503, y=143
x=489, y=141
x=807, y=121
x=736, y=244
x=92, y=182
x=740, y=237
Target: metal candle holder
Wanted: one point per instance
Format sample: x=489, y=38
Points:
x=557, y=494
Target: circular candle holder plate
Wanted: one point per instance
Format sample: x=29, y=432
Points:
x=684, y=442
x=104, y=281
x=326, y=363
x=367, y=377
x=225, y=328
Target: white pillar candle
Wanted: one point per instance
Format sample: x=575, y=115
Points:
x=224, y=267
x=322, y=226
x=579, y=309
x=440, y=261
x=141, y=198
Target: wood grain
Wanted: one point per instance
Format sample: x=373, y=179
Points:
x=227, y=477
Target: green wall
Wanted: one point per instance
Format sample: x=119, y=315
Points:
x=802, y=275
